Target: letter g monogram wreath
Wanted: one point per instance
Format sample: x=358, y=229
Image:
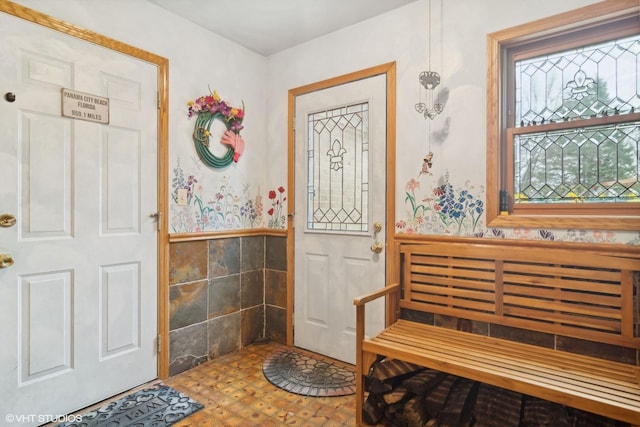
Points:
x=210, y=108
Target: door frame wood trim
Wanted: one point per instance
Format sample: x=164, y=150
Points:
x=162, y=65
x=389, y=70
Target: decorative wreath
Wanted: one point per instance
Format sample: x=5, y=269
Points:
x=210, y=108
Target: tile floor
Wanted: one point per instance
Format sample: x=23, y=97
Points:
x=235, y=393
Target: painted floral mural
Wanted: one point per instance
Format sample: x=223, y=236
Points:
x=441, y=209
x=429, y=206
x=277, y=219
x=445, y=209
x=221, y=205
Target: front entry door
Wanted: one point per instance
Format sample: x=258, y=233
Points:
x=340, y=146
x=78, y=283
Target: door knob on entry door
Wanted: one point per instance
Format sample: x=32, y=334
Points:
x=377, y=246
x=7, y=220
x=5, y=260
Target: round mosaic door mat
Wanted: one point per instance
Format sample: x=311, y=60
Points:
x=304, y=374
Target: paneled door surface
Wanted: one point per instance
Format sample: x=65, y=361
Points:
x=78, y=283
x=340, y=146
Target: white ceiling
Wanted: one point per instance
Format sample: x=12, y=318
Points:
x=269, y=26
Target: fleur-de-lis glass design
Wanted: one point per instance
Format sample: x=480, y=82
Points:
x=579, y=86
x=336, y=153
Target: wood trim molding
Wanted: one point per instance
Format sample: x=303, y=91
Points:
x=214, y=235
x=162, y=65
x=617, y=248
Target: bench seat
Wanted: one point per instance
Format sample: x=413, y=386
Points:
x=592, y=384
x=551, y=292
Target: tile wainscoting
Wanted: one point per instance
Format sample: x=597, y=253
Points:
x=224, y=294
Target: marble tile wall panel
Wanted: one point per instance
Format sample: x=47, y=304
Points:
x=590, y=348
x=224, y=257
x=276, y=324
x=252, y=321
x=187, y=349
x=187, y=304
x=252, y=252
x=223, y=334
x=187, y=262
x=522, y=335
x=252, y=288
x=224, y=295
x=417, y=316
x=276, y=253
x=275, y=288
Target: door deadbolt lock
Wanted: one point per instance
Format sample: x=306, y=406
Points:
x=5, y=260
x=7, y=220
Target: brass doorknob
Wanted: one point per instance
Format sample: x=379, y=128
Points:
x=377, y=246
x=7, y=220
x=5, y=260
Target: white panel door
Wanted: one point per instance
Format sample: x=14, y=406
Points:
x=340, y=186
x=78, y=308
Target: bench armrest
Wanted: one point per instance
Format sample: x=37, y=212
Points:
x=376, y=294
x=360, y=302
x=363, y=362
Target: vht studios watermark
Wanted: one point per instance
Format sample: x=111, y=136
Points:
x=42, y=418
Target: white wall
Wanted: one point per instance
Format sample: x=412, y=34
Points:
x=198, y=59
x=402, y=36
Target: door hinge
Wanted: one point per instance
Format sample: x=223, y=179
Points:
x=159, y=344
x=158, y=100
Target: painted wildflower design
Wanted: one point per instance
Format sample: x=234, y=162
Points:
x=457, y=207
x=418, y=211
x=445, y=210
x=251, y=211
x=226, y=209
x=277, y=216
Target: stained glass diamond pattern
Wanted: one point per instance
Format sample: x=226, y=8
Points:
x=593, y=80
x=338, y=169
x=595, y=164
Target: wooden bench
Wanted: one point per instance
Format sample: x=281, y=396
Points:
x=569, y=294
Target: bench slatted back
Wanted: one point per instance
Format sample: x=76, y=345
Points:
x=583, y=294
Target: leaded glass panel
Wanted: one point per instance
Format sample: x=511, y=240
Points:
x=579, y=157
x=594, y=164
x=338, y=169
x=601, y=79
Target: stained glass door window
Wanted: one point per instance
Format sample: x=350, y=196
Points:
x=338, y=169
